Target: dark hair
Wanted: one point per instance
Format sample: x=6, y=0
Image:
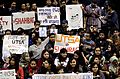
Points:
x=16, y=59
x=34, y=40
x=51, y=34
x=63, y=50
x=36, y=22
x=93, y=64
x=43, y=53
x=33, y=60
x=8, y=30
x=69, y=67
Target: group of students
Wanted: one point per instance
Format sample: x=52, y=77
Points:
x=99, y=49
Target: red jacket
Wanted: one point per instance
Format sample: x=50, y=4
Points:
x=20, y=72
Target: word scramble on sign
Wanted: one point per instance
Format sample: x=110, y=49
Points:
x=7, y=74
x=16, y=44
x=49, y=15
x=71, y=43
x=64, y=76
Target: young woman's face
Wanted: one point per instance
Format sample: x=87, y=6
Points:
x=97, y=51
x=27, y=57
x=46, y=64
x=46, y=55
x=95, y=68
x=33, y=64
x=12, y=61
x=64, y=55
x=73, y=63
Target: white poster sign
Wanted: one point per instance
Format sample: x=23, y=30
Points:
x=24, y=20
x=15, y=44
x=49, y=15
x=71, y=43
x=43, y=31
x=74, y=15
x=55, y=31
x=63, y=76
x=5, y=22
x=7, y=74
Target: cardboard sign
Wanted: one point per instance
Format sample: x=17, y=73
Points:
x=5, y=22
x=7, y=74
x=74, y=16
x=49, y=15
x=24, y=20
x=71, y=43
x=15, y=44
x=63, y=76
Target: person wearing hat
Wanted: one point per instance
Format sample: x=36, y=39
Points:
x=113, y=68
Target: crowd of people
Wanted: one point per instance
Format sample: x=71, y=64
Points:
x=99, y=48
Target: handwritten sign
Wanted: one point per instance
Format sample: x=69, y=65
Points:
x=49, y=15
x=5, y=21
x=7, y=74
x=15, y=44
x=71, y=43
x=24, y=20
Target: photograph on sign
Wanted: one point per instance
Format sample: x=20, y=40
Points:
x=74, y=16
x=43, y=31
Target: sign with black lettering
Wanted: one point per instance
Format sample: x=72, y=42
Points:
x=49, y=15
x=7, y=74
x=16, y=44
x=24, y=20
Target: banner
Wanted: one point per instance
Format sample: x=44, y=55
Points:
x=15, y=44
x=49, y=15
x=24, y=20
x=5, y=22
x=71, y=43
x=43, y=31
x=63, y=76
x=7, y=74
x=74, y=16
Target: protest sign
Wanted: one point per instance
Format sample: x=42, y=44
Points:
x=49, y=15
x=15, y=44
x=71, y=43
x=74, y=16
x=24, y=20
x=5, y=22
x=42, y=31
x=63, y=76
x=55, y=31
x=7, y=74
